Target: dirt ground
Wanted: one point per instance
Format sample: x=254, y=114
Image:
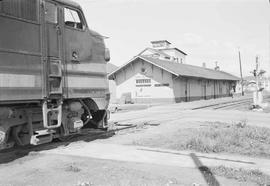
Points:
x=116, y=161
x=45, y=170
x=61, y=170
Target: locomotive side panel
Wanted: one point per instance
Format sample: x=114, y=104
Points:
x=54, y=63
x=86, y=74
x=20, y=59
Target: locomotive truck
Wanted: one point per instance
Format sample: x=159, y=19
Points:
x=53, y=79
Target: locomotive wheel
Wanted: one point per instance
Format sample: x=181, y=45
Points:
x=92, y=106
x=65, y=138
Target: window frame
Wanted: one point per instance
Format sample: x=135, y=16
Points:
x=162, y=85
x=143, y=81
x=80, y=15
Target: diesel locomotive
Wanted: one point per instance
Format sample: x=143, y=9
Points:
x=53, y=77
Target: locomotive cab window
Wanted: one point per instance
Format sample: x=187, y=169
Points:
x=73, y=19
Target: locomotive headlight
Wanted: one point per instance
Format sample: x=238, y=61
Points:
x=107, y=55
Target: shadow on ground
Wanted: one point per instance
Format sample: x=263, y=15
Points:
x=9, y=155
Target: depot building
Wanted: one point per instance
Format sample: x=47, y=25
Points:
x=160, y=74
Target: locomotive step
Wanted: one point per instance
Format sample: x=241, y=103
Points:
x=41, y=137
x=55, y=76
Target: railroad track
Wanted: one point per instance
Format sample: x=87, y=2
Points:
x=234, y=105
x=243, y=103
x=11, y=154
x=14, y=153
x=224, y=104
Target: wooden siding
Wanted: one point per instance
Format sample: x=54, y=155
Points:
x=179, y=89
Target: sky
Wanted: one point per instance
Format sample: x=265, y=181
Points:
x=207, y=30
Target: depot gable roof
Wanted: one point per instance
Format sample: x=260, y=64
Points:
x=179, y=69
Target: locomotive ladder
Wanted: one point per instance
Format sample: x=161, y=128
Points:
x=52, y=107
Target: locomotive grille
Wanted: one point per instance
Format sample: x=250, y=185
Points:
x=24, y=9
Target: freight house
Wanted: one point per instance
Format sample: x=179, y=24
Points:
x=159, y=74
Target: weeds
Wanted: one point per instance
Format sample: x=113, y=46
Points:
x=85, y=184
x=242, y=175
x=217, y=137
x=73, y=168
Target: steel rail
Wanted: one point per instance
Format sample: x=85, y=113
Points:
x=229, y=104
x=223, y=103
x=233, y=104
x=236, y=104
x=16, y=152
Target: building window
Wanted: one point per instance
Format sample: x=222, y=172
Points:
x=23, y=9
x=144, y=85
x=162, y=85
x=155, y=55
x=73, y=19
x=167, y=58
x=143, y=70
x=143, y=81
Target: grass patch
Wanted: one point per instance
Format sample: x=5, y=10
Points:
x=73, y=168
x=216, y=137
x=242, y=175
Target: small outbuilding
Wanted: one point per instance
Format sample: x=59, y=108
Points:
x=160, y=74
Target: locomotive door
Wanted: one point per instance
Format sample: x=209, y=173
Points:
x=79, y=61
x=53, y=40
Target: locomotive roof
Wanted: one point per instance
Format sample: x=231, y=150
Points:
x=69, y=2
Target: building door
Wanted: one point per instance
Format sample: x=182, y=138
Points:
x=204, y=89
x=187, y=98
x=220, y=89
x=214, y=89
x=53, y=40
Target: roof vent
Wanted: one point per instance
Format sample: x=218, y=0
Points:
x=204, y=65
x=217, y=67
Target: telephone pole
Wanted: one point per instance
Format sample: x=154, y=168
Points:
x=257, y=78
x=241, y=75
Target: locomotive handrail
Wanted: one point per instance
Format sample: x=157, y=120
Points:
x=45, y=112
